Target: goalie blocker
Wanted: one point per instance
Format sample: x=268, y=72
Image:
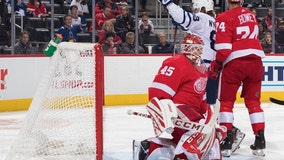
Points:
x=192, y=144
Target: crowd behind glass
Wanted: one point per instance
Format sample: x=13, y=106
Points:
x=114, y=26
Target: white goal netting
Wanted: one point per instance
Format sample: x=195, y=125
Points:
x=61, y=123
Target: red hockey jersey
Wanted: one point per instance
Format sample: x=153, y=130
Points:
x=237, y=35
x=180, y=81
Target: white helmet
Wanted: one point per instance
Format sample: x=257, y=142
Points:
x=208, y=4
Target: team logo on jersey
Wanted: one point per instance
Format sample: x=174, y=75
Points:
x=200, y=85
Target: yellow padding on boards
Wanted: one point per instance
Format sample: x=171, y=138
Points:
x=125, y=99
x=58, y=102
x=264, y=96
x=15, y=104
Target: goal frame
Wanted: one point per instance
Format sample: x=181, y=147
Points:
x=40, y=135
x=99, y=102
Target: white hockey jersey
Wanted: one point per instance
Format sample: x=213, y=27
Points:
x=200, y=24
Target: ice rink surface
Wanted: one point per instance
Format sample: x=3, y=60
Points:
x=120, y=129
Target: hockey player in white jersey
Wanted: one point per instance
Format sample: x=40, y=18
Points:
x=202, y=23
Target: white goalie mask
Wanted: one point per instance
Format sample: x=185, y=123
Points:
x=198, y=4
x=193, y=46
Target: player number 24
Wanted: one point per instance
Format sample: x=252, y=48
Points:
x=168, y=71
x=244, y=31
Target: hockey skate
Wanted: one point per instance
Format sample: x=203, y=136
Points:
x=226, y=144
x=259, y=144
x=238, y=138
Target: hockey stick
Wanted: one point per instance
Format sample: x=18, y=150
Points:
x=188, y=125
x=276, y=101
x=175, y=39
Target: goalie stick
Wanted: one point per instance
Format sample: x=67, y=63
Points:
x=276, y=101
x=189, y=125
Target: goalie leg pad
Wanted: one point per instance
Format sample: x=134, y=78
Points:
x=186, y=149
x=221, y=132
x=161, y=149
x=151, y=147
x=185, y=113
x=196, y=145
x=162, y=153
x=199, y=146
x=163, y=113
x=215, y=152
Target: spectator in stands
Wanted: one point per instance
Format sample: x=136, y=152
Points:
x=163, y=46
x=109, y=47
x=266, y=43
x=114, y=8
x=77, y=20
x=68, y=30
x=145, y=25
x=280, y=4
x=279, y=37
x=82, y=6
x=35, y=8
x=108, y=27
x=20, y=7
x=262, y=32
x=78, y=4
x=5, y=40
x=267, y=21
x=124, y=23
x=23, y=46
x=128, y=46
x=102, y=17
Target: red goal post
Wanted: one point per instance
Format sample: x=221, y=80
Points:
x=64, y=120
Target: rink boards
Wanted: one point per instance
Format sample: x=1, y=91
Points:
x=126, y=79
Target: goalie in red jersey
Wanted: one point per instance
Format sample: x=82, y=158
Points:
x=177, y=92
x=238, y=58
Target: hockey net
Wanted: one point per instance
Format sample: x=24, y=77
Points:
x=64, y=120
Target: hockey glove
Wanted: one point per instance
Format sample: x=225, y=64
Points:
x=214, y=70
x=175, y=23
x=165, y=3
